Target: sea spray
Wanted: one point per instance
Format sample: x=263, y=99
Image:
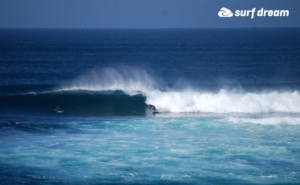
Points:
x=129, y=79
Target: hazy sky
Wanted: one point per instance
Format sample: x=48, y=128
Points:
x=141, y=13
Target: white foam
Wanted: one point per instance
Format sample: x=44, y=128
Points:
x=266, y=120
x=225, y=101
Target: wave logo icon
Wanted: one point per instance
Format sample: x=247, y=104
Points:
x=225, y=12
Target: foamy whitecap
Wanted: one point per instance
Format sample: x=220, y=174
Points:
x=225, y=101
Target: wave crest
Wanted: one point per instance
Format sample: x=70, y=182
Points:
x=130, y=80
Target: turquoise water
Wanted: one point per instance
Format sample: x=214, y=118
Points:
x=228, y=102
x=204, y=149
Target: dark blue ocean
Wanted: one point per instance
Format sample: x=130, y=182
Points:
x=228, y=103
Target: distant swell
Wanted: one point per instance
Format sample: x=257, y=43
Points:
x=76, y=103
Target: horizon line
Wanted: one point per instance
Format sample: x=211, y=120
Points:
x=158, y=28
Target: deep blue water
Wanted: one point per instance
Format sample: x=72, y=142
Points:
x=228, y=101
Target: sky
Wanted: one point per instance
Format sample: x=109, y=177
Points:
x=142, y=13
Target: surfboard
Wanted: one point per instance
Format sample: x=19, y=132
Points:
x=59, y=111
x=155, y=112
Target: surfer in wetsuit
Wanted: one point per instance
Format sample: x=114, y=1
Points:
x=58, y=110
x=152, y=107
x=13, y=122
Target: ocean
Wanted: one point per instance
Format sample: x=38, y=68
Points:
x=228, y=103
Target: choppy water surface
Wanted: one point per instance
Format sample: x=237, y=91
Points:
x=178, y=149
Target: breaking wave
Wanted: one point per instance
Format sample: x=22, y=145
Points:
x=127, y=91
x=187, y=99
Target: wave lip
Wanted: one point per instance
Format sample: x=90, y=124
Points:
x=127, y=79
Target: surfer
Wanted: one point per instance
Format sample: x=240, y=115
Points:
x=13, y=122
x=58, y=110
x=152, y=107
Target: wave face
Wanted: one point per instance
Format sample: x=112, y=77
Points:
x=77, y=103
